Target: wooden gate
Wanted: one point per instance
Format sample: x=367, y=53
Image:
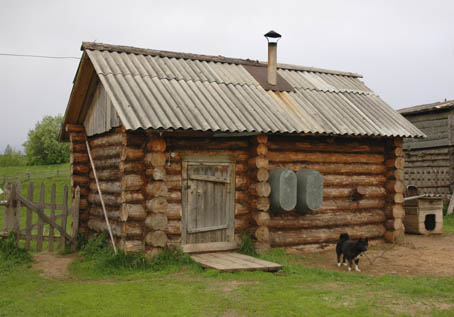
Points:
x=208, y=205
x=40, y=221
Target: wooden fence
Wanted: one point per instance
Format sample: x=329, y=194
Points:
x=40, y=221
x=30, y=176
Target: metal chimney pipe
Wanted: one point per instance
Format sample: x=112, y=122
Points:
x=272, y=63
x=272, y=37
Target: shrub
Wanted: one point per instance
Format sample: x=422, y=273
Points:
x=247, y=246
x=10, y=255
x=96, y=247
x=170, y=256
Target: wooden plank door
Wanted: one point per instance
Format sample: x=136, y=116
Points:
x=208, y=211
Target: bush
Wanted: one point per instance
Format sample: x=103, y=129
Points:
x=247, y=246
x=96, y=247
x=42, y=146
x=10, y=255
x=169, y=257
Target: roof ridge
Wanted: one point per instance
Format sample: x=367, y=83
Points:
x=341, y=90
x=439, y=105
x=211, y=58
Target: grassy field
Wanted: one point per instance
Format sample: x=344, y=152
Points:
x=90, y=289
x=191, y=291
x=45, y=174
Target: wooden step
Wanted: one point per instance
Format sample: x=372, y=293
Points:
x=234, y=262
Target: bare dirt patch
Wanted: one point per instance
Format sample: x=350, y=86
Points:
x=230, y=286
x=53, y=265
x=418, y=256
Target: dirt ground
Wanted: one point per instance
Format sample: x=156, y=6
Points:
x=52, y=264
x=418, y=255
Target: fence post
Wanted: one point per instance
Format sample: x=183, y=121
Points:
x=65, y=216
x=29, y=217
x=40, y=232
x=10, y=191
x=75, y=218
x=17, y=213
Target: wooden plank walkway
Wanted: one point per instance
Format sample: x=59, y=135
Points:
x=234, y=262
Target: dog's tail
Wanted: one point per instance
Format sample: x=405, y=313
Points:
x=344, y=237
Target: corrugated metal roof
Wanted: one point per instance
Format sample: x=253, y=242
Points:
x=166, y=90
x=436, y=106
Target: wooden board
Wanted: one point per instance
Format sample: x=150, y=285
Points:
x=234, y=262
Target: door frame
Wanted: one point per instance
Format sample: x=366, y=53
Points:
x=212, y=246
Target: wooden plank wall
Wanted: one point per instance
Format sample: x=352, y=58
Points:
x=101, y=116
x=430, y=170
x=346, y=164
x=428, y=162
x=436, y=126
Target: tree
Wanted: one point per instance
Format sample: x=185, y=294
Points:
x=8, y=150
x=12, y=157
x=42, y=146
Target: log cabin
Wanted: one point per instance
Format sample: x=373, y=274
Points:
x=429, y=162
x=183, y=146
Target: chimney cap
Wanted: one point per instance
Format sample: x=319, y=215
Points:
x=272, y=35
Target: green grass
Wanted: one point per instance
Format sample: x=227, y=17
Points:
x=448, y=223
x=187, y=290
x=126, y=286
x=99, y=261
x=46, y=174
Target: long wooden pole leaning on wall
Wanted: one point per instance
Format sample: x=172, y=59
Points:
x=100, y=197
x=451, y=204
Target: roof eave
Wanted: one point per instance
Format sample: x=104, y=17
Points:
x=426, y=108
x=81, y=81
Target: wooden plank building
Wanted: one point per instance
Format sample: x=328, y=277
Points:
x=183, y=145
x=429, y=162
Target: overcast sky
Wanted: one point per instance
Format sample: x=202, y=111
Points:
x=404, y=49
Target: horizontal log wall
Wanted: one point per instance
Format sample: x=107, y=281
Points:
x=349, y=166
x=80, y=169
x=105, y=151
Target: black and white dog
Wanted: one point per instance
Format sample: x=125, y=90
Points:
x=351, y=250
